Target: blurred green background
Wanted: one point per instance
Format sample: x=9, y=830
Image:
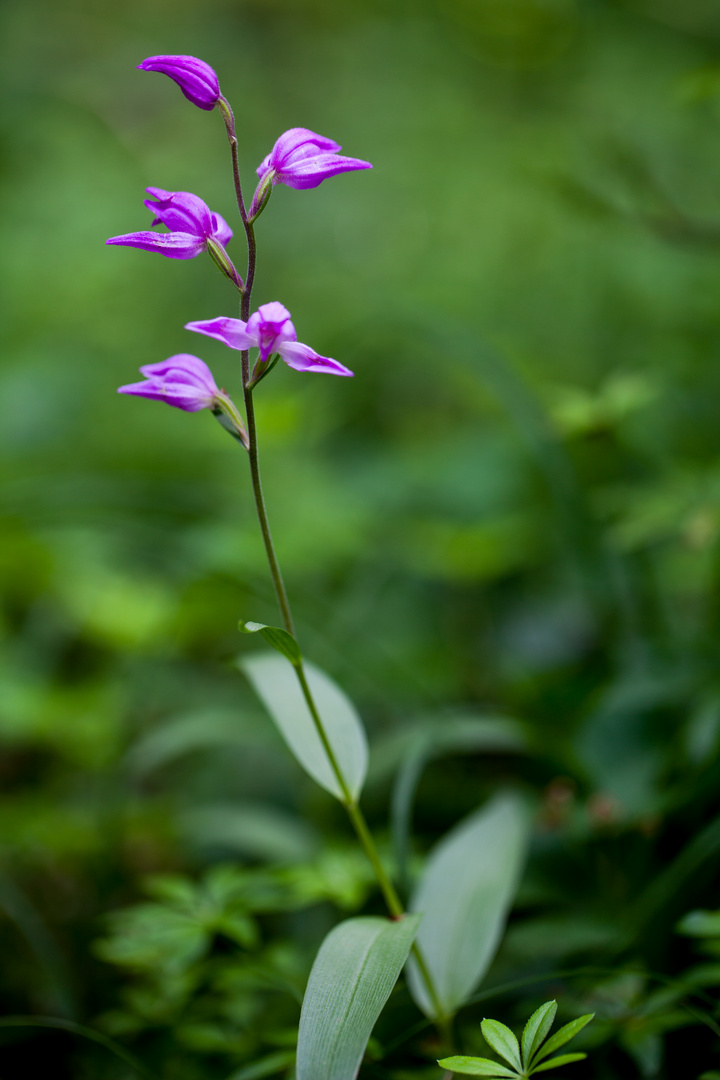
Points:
x=513, y=511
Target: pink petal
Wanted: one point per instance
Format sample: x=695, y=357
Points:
x=175, y=245
x=303, y=358
x=232, y=332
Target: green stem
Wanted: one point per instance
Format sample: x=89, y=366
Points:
x=275, y=572
x=390, y=895
x=367, y=842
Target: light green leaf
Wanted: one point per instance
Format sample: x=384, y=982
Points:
x=503, y=1041
x=464, y=894
x=475, y=1066
x=280, y=639
x=563, y=1035
x=351, y=979
x=555, y=1063
x=277, y=685
x=537, y=1028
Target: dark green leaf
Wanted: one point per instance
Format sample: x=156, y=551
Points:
x=352, y=977
x=475, y=1066
x=280, y=639
x=503, y=1041
x=536, y=1029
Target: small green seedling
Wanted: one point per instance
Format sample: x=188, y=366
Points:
x=526, y=1061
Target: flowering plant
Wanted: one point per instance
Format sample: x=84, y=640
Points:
x=455, y=916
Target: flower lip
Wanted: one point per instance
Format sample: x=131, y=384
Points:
x=269, y=329
x=196, y=79
x=302, y=159
x=189, y=219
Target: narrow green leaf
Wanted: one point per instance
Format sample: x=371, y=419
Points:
x=351, y=979
x=503, y=1041
x=277, y=685
x=556, y=1062
x=280, y=639
x=475, y=1066
x=464, y=894
x=536, y=1029
x=563, y=1035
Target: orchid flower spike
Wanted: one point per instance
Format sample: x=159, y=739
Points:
x=193, y=226
x=196, y=79
x=302, y=159
x=270, y=330
x=186, y=382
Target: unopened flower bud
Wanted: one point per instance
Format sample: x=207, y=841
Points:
x=196, y=79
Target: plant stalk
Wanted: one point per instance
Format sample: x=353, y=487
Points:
x=357, y=818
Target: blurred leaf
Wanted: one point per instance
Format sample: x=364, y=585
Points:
x=266, y=1066
x=280, y=639
x=352, y=977
x=700, y=924
x=276, y=683
x=576, y=411
x=150, y=935
x=464, y=895
x=252, y=830
x=423, y=743
x=190, y=732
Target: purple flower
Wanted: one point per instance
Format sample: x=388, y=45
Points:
x=302, y=159
x=191, y=223
x=270, y=330
x=186, y=382
x=182, y=380
x=196, y=79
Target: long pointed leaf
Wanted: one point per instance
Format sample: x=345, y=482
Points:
x=562, y=1036
x=351, y=979
x=475, y=1066
x=464, y=895
x=555, y=1063
x=276, y=684
x=503, y=1041
x=536, y=1029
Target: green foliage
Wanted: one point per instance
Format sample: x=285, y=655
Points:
x=280, y=639
x=526, y=1062
x=278, y=686
x=351, y=979
x=526, y=530
x=464, y=894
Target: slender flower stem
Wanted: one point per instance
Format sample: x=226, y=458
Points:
x=229, y=119
x=357, y=818
x=275, y=572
